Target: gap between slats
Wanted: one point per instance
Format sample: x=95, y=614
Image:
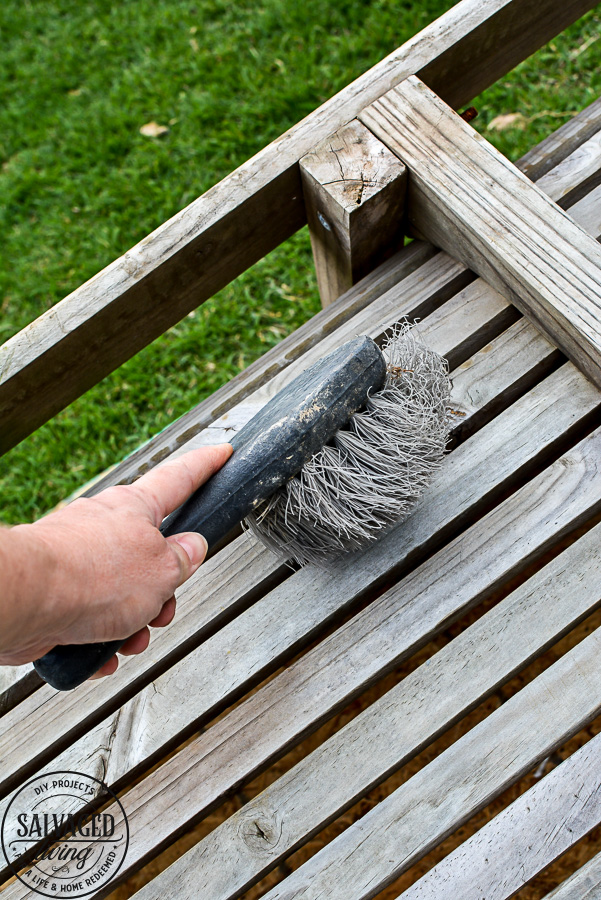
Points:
x=567, y=148
x=537, y=507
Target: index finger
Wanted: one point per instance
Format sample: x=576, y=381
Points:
x=165, y=488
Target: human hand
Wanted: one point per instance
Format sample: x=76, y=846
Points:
x=99, y=569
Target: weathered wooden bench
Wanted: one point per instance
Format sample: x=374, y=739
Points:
x=419, y=680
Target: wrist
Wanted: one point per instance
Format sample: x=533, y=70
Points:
x=32, y=568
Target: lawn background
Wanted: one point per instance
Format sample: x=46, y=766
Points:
x=79, y=183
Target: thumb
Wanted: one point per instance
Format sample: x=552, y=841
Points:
x=190, y=550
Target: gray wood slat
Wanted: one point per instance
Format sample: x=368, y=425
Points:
x=475, y=393
x=553, y=149
x=241, y=219
x=416, y=295
x=528, y=835
x=414, y=712
x=16, y=683
x=19, y=683
x=587, y=212
x=463, y=779
x=585, y=884
x=387, y=279
x=537, y=162
x=575, y=172
x=161, y=805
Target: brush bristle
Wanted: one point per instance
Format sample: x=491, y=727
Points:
x=376, y=468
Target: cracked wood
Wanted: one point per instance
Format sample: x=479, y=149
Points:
x=193, y=255
x=413, y=713
x=354, y=190
x=465, y=197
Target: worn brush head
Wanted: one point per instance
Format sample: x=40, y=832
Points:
x=373, y=471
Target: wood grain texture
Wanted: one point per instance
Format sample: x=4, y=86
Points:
x=248, y=568
x=464, y=195
x=576, y=175
x=472, y=392
x=585, y=884
x=277, y=625
x=525, y=837
x=463, y=779
x=553, y=149
x=187, y=259
x=519, y=354
x=476, y=396
x=587, y=212
x=222, y=587
x=413, y=713
x=462, y=326
x=16, y=683
x=354, y=190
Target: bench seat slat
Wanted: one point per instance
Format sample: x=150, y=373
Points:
x=462, y=780
x=423, y=705
x=553, y=149
x=492, y=459
x=585, y=884
x=525, y=837
x=570, y=178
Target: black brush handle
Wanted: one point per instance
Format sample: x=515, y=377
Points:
x=268, y=451
x=69, y=665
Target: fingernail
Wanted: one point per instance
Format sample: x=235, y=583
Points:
x=195, y=546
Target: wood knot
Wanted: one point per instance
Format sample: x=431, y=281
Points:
x=260, y=832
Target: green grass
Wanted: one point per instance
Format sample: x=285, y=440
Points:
x=80, y=184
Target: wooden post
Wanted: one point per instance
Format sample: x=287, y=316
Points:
x=354, y=190
x=467, y=198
